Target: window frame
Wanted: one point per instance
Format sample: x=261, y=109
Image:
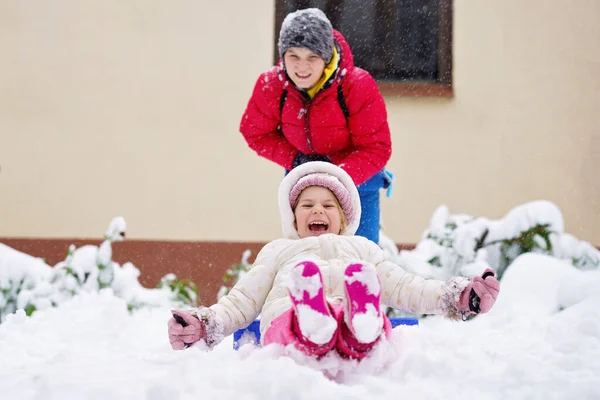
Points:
x=442, y=88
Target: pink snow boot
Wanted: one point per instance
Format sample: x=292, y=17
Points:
x=362, y=313
x=313, y=319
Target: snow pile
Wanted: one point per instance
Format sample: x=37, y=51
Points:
x=22, y=279
x=29, y=284
x=464, y=245
x=541, y=341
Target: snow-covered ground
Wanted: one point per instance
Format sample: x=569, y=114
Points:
x=541, y=341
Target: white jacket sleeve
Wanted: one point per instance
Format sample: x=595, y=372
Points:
x=413, y=293
x=244, y=302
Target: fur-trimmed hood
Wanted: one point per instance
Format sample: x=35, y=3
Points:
x=290, y=180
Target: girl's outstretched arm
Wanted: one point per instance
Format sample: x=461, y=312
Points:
x=244, y=302
x=414, y=293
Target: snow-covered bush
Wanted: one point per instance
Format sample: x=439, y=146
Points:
x=24, y=282
x=184, y=291
x=234, y=273
x=465, y=245
x=30, y=284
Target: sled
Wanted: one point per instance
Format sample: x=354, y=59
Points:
x=251, y=334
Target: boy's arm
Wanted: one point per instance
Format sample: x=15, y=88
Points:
x=261, y=120
x=369, y=129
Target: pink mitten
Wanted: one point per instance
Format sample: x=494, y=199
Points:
x=184, y=329
x=481, y=294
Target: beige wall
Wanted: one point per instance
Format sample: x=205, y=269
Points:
x=132, y=108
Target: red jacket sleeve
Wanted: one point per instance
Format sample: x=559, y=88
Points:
x=261, y=121
x=369, y=129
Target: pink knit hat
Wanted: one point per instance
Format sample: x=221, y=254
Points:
x=327, y=181
x=322, y=174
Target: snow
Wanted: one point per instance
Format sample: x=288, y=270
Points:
x=368, y=279
x=20, y=267
x=315, y=326
x=367, y=325
x=297, y=284
x=116, y=230
x=362, y=287
x=465, y=245
x=315, y=13
x=540, y=341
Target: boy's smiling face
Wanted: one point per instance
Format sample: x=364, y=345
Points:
x=318, y=212
x=304, y=67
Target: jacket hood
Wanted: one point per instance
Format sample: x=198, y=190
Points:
x=346, y=57
x=290, y=180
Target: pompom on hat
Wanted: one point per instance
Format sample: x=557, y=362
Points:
x=318, y=173
x=309, y=29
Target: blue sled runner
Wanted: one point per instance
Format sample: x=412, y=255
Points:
x=251, y=334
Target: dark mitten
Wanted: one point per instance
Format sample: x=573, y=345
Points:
x=304, y=158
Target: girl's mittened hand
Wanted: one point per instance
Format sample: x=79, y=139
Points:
x=185, y=329
x=485, y=292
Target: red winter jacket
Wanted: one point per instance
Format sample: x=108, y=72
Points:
x=361, y=145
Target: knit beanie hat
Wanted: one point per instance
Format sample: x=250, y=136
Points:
x=309, y=29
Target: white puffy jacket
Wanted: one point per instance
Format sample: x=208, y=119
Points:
x=261, y=290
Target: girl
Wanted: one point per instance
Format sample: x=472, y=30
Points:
x=321, y=288
x=317, y=106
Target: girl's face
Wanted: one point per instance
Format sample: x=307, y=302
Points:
x=318, y=212
x=304, y=67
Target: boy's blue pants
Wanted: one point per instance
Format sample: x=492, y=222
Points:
x=369, y=200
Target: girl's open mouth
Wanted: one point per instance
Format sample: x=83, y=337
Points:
x=318, y=226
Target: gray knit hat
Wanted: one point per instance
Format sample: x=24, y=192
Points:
x=309, y=29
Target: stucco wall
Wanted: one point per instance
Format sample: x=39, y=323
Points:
x=132, y=108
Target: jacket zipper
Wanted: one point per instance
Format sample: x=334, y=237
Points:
x=307, y=130
x=304, y=111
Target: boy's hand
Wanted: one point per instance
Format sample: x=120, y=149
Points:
x=184, y=329
x=304, y=158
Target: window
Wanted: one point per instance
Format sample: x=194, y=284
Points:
x=405, y=44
